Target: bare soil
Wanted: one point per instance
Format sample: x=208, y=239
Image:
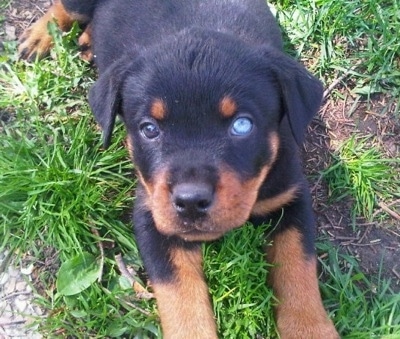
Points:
x=376, y=245
x=372, y=243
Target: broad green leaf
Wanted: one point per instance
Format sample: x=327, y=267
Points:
x=78, y=313
x=77, y=274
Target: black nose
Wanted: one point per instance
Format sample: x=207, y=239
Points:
x=192, y=200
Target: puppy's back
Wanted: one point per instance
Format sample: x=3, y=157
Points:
x=124, y=26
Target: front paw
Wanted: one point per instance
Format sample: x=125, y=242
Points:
x=306, y=327
x=35, y=41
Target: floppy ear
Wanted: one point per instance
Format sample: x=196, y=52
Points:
x=301, y=92
x=105, y=97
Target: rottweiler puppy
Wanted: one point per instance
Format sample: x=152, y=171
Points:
x=215, y=113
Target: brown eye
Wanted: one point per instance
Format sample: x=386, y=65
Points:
x=149, y=130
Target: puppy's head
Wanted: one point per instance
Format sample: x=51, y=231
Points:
x=203, y=114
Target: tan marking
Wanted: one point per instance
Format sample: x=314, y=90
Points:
x=274, y=143
x=129, y=145
x=300, y=312
x=263, y=207
x=227, y=107
x=184, y=305
x=158, y=109
x=85, y=44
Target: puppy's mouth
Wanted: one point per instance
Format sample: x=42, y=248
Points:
x=194, y=234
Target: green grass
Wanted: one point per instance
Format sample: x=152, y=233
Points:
x=361, y=171
x=360, y=306
x=354, y=38
x=333, y=36
x=62, y=194
x=59, y=190
x=237, y=272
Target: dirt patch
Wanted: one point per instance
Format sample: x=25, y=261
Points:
x=372, y=243
x=19, y=15
x=376, y=245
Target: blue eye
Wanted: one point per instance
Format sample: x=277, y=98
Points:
x=149, y=130
x=241, y=126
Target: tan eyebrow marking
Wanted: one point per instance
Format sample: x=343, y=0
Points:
x=227, y=107
x=158, y=109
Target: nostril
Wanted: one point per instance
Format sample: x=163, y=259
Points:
x=204, y=204
x=179, y=204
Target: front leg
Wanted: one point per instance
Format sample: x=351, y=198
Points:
x=183, y=301
x=175, y=271
x=300, y=313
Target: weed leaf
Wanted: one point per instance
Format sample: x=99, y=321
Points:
x=77, y=274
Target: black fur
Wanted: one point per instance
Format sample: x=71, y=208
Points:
x=83, y=8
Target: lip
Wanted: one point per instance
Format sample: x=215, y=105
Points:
x=199, y=235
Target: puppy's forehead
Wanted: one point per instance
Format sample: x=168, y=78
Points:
x=199, y=83
x=226, y=107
